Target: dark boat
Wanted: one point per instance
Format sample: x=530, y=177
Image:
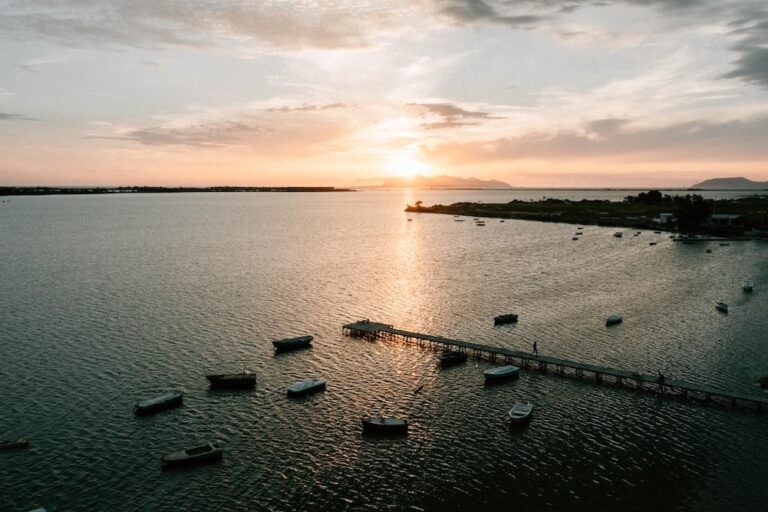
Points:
x=21, y=442
x=198, y=455
x=162, y=401
x=451, y=357
x=385, y=425
x=505, y=319
x=292, y=343
x=243, y=380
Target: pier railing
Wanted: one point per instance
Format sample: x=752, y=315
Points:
x=557, y=366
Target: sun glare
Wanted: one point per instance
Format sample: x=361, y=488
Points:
x=406, y=164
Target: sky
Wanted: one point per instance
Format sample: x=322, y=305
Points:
x=539, y=93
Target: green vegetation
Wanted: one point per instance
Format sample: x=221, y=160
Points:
x=647, y=210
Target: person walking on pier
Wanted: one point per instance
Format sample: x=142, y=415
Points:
x=535, y=348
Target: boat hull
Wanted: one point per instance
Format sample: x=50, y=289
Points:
x=502, y=374
x=452, y=358
x=385, y=426
x=293, y=343
x=232, y=381
x=12, y=445
x=141, y=409
x=298, y=390
x=180, y=459
x=505, y=319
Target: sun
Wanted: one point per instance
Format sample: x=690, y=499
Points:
x=406, y=164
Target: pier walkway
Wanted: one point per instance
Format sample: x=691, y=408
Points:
x=563, y=367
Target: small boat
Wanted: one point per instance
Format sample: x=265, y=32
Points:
x=708, y=251
x=306, y=387
x=579, y=233
x=614, y=319
x=618, y=234
x=292, y=343
x=724, y=245
x=409, y=220
x=243, y=380
x=164, y=400
x=652, y=243
x=521, y=412
x=505, y=319
x=9, y=444
x=479, y=223
x=501, y=373
x=451, y=357
x=459, y=220
x=197, y=455
x=501, y=221
x=721, y=306
x=657, y=232
x=385, y=425
x=747, y=286
x=575, y=238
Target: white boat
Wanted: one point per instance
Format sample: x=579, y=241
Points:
x=164, y=400
x=614, y=319
x=521, y=412
x=721, y=306
x=306, y=387
x=747, y=286
x=501, y=373
x=197, y=455
x=618, y=234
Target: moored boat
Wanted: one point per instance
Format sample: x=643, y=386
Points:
x=306, y=387
x=721, y=306
x=381, y=425
x=505, y=319
x=9, y=444
x=197, y=455
x=243, y=380
x=162, y=401
x=521, y=412
x=451, y=357
x=292, y=343
x=618, y=234
x=501, y=373
x=747, y=286
x=614, y=319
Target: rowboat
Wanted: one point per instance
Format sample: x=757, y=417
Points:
x=747, y=286
x=721, y=307
x=198, y=455
x=505, y=319
x=292, y=343
x=243, y=380
x=306, y=387
x=521, y=412
x=614, y=319
x=382, y=425
x=501, y=373
x=164, y=400
x=451, y=357
x=8, y=444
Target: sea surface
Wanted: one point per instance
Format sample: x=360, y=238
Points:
x=106, y=300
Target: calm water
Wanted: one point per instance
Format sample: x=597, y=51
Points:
x=108, y=299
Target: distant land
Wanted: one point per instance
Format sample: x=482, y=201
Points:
x=442, y=182
x=47, y=191
x=731, y=183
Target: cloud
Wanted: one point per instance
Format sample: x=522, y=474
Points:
x=15, y=117
x=202, y=136
x=736, y=140
x=309, y=108
x=449, y=115
x=479, y=11
x=199, y=23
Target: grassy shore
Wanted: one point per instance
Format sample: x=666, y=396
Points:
x=630, y=213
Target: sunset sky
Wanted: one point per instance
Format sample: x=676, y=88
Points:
x=616, y=93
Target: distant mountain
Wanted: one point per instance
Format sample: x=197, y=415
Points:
x=731, y=183
x=432, y=182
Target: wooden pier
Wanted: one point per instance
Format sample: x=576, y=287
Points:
x=562, y=367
